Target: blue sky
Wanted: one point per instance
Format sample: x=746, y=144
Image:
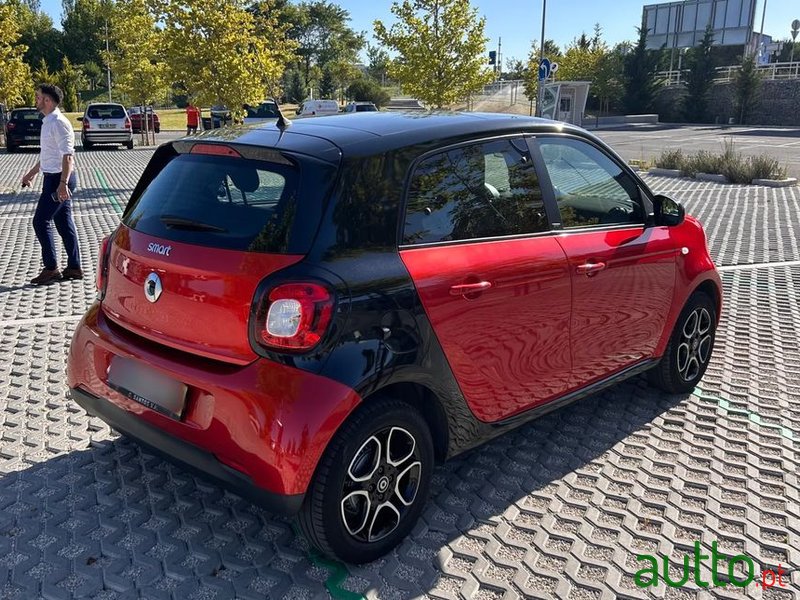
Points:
x=518, y=22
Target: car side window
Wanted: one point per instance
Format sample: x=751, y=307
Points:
x=478, y=191
x=591, y=189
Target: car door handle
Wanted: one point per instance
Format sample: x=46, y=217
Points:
x=469, y=288
x=591, y=268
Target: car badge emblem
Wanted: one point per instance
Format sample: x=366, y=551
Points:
x=152, y=287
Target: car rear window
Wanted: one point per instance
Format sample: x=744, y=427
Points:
x=233, y=203
x=106, y=112
x=26, y=115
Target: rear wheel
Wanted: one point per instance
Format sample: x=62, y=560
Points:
x=371, y=484
x=11, y=148
x=87, y=145
x=689, y=350
x=129, y=145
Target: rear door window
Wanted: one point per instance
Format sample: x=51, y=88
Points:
x=477, y=191
x=232, y=203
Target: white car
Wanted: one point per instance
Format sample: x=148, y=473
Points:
x=106, y=123
x=317, y=108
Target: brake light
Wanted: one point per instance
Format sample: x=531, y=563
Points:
x=215, y=150
x=11, y=126
x=102, y=267
x=127, y=123
x=85, y=123
x=296, y=316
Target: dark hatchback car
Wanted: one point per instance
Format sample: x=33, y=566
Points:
x=316, y=316
x=24, y=128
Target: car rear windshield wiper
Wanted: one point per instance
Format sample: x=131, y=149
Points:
x=182, y=223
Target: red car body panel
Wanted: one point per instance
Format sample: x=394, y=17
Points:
x=137, y=122
x=267, y=420
x=203, y=288
x=694, y=268
x=508, y=345
x=618, y=312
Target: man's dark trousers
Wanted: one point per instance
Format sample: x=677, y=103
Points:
x=60, y=213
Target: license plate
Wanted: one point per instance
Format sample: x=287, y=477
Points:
x=146, y=386
x=107, y=126
x=30, y=138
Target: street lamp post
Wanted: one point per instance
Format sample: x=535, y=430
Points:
x=108, y=65
x=540, y=95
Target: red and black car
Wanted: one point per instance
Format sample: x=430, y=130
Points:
x=136, y=114
x=24, y=128
x=316, y=315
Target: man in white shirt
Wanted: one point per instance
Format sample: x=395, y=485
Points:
x=55, y=205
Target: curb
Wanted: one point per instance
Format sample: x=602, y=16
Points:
x=664, y=172
x=776, y=183
x=711, y=177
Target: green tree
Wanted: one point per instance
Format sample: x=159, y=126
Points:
x=294, y=86
x=323, y=35
x=94, y=74
x=327, y=85
x=84, y=26
x=700, y=63
x=37, y=33
x=139, y=72
x=378, y=63
x=368, y=90
x=15, y=75
x=441, y=46
x=41, y=74
x=70, y=79
x=515, y=68
x=222, y=53
x=639, y=73
x=747, y=83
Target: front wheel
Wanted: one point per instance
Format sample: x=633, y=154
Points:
x=371, y=484
x=689, y=350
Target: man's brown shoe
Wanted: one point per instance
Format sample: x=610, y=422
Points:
x=46, y=276
x=72, y=274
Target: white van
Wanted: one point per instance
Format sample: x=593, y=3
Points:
x=316, y=108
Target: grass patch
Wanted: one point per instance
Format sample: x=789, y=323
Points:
x=730, y=163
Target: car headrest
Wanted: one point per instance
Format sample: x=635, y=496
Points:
x=245, y=179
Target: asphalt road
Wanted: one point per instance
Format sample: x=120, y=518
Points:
x=645, y=142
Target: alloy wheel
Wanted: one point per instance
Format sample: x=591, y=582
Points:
x=694, y=349
x=381, y=484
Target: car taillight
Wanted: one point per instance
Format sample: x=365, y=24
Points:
x=295, y=316
x=11, y=126
x=102, y=266
x=86, y=123
x=127, y=123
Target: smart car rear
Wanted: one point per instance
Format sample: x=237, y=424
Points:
x=316, y=314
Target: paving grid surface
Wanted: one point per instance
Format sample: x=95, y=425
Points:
x=556, y=509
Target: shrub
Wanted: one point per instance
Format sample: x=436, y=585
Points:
x=703, y=162
x=671, y=159
x=368, y=90
x=764, y=167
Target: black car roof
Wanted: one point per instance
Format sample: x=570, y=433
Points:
x=369, y=133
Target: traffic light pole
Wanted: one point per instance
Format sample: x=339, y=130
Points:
x=540, y=95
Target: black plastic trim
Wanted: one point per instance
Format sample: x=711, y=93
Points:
x=185, y=454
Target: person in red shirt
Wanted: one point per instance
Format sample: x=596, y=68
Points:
x=192, y=118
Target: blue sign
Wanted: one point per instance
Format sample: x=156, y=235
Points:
x=544, y=69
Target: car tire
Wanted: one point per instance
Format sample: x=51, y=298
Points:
x=129, y=145
x=87, y=145
x=11, y=148
x=360, y=491
x=158, y=129
x=690, y=347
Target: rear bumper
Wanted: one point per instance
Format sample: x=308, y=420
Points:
x=24, y=140
x=185, y=454
x=107, y=137
x=261, y=427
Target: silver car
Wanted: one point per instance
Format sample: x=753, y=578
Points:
x=106, y=123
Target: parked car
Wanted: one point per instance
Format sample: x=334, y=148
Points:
x=220, y=117
x=318, y=108
x=360, y=107
x=137, y=121
x=378, y=295
x=24, y=128
x=262, y=113
x=106, y=123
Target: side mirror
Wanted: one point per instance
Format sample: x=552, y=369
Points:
x=667, y=211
